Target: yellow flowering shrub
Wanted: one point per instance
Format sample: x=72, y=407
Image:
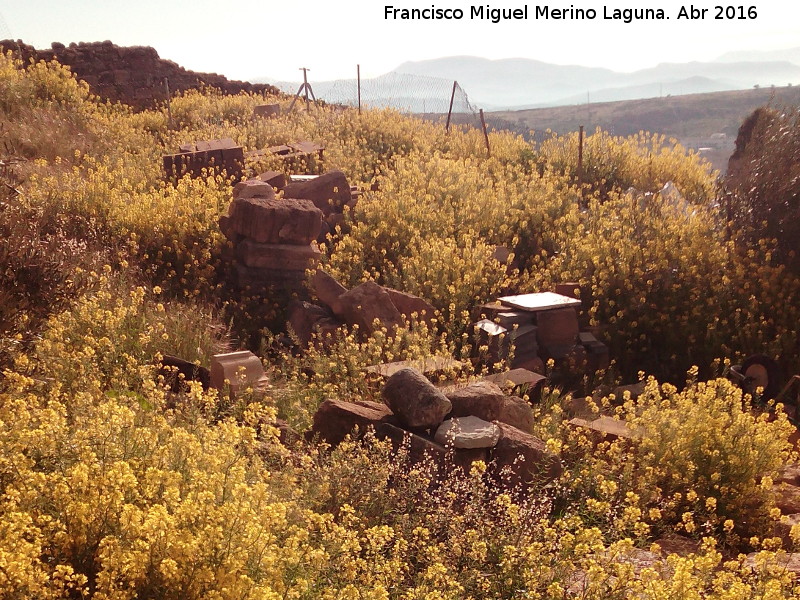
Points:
x=112, y=487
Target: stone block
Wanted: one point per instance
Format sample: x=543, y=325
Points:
x=336, y=419
x=303, y=320
x=275, y=221
x=467, y=432
x=557, y=327
x=263, y=280
x=285, y=257
x=267, y=110
x=524, y=380
x=274, y=178
x=327, y=289
x=238, y=370
x=253, y=188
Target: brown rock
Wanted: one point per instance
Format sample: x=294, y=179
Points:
x=790, y=474
x=335, y=419
x=277, y=256
x=421, y=448
x=484, y=399
x=273, y=221
x=787, y=498
x=274, y=178
x=521, y=458
x=415, y=400
x=253, y=188
x=329, y=192
x=327, y=289
x=408, y=305
x=303, y=319
x=367, y=304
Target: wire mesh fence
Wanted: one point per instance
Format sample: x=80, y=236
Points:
x=429, y=97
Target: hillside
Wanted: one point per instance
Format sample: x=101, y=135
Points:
x=285, y=374
x=695, y=120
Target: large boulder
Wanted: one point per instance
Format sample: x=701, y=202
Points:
x=329, y=192
x=367, y=304
x=415, y=400
x=485, y=399
x=336, y=419
x=274, y=221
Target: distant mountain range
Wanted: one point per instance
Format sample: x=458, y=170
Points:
x=518, y=83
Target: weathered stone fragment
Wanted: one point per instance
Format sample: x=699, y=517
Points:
x=467, y=432
x=605, y=428
x=239, y=370
x=787, y=498
x=253, y=188
x=415, y=400
x=336, y=419
x=303, y=320
x=520, y=458
x=484, y=399
x=409, y=305
x=287, y=257
x=329, y=192
x=327, y=289
x=367, y=304
x=274, y=221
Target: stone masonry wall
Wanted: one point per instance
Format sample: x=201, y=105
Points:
x=132, y=75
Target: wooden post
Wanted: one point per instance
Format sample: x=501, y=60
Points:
x=485, y=135
x=358, y=74
x=580, y=166
x=169, y=107
x=305, y=84
x=450, y=110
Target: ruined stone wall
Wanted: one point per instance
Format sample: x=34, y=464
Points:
x=133, y=75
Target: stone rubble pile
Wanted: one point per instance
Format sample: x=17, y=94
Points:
x=539, y=327
x=273, y=238
x=453, y=427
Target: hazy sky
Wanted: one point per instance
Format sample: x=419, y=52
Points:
x=257, y=38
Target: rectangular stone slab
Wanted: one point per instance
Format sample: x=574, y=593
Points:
x=539, y=301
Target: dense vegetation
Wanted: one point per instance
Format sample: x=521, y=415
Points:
x=112, y=487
